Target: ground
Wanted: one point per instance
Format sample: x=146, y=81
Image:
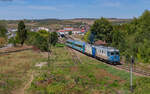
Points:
x=16, y=70
x=20, y=73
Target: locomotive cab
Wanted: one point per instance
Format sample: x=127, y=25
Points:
x=114, y=56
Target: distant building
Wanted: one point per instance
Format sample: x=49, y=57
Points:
x=11, y=33
x=66, y=30
x=43, y=28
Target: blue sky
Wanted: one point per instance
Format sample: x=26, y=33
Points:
x=66, y=9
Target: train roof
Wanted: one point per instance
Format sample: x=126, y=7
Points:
x=111, y=49
x=76, y=42
x=70, y=40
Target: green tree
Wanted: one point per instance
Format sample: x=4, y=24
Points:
x=102, y=29
x=3, y=30
x=40, y=42
x=44, y=33
x=22, y=32
x=70, y=32
x=88, y=37
x=53, y=38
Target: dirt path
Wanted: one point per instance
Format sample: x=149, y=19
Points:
x=27, y=85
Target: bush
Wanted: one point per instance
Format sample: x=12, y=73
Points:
x=142, y=86
x=41, y=42
x=2, y=42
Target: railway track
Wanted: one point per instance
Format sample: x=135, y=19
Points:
x=136, y=71
x=75, y=58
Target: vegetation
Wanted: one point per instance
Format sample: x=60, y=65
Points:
x=70, y=32
x=3, y=30
x=3, y=34
x=42, y=39
x=2, y=42
x=92, y=76
x=63, y=75
x=102, y=30
x=132, y=39
x=16, y=70
x=22, y=32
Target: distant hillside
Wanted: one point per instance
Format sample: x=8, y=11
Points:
x=55, y=23
x=90, y=21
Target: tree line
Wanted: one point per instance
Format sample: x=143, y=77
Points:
x=132, y=39
x=40, y=39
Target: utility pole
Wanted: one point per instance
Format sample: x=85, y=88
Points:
x=131, y=74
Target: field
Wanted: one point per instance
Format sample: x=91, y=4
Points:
x=19, y=75
x=16, y=69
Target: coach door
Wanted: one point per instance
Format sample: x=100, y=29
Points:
x=93, y=51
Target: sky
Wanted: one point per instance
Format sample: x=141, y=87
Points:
x=68, y=9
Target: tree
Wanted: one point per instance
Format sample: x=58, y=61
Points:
x=44, y=33
x=70, y=32
x=53, y=38
x=102, y=30
x=2, y=42
x=89, y=37
x=22, y=32
x=3, y=30
x=40, y=42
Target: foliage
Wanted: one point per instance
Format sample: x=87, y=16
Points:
x=132, y=39
x=70, y=32
x=87, y=36
x=40, y=39
x=142, y=86
x=43, y=33
x=138, y=37
x=2, y=41
x=59, y=45
x=53, y=38
x=22, y=32
x=102, y=29
x=3, y=30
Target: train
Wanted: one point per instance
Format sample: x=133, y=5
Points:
x=108, y=54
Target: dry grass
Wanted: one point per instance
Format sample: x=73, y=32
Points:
x=15, y=69
x=68, y=78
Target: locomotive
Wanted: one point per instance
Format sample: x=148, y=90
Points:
x=108, y=54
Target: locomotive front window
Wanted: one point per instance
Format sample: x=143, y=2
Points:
x=117, y=53
x=112, y=53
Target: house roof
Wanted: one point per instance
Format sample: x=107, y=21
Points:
x=100, y=42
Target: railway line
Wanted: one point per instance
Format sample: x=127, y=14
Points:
x=75, y=58
x=136, y=71
x=122, y=66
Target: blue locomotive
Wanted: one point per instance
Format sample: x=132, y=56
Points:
x=105, y=53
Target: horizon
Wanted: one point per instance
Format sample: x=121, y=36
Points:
x=71, y=9
x=62, y=19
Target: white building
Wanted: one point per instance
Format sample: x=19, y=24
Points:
x=43, y=28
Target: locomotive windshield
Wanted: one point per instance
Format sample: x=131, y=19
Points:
x=112, y=53
x=117, y=53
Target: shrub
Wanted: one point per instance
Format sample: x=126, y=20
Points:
x=2, y=42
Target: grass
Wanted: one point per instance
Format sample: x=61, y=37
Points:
x=15, y=70
x=89, y=77
x=63, y=76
